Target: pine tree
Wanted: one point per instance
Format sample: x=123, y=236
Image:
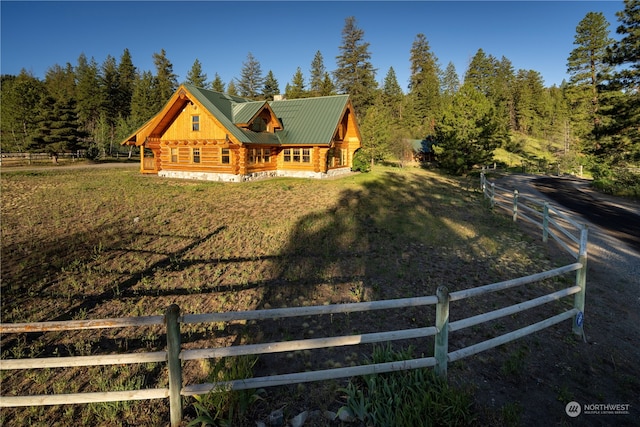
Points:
x=481, y=73
x=624, y=110
x=144, y=101
x=166, y=81
x=127, y=81
x=251, y=81
x=196, y=77
x=529, y=102
x=231, y=89
x=89, y=95
x=468, y=132
x=296, y=88
x=376, y=132
x=317, y=73
x=424, y=86
x=58, y=128
x=271, y=87
x=585, y=65
x=450, y=80
x=110, y=86
x=21, y=95
x=61, y=82
x=355, y=74
x=392, y=96
x=328, y=87
x=503, y=93
x=217, y=85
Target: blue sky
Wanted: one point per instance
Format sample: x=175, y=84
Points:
x=282, y=36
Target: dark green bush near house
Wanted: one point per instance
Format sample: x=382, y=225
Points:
x=360, y=162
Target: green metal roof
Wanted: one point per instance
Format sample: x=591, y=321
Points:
x=305, y=121
x=245, y=111
x=309, y=120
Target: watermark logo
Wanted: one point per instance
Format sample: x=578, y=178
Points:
x=573, y=409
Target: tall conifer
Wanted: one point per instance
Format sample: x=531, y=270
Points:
x=355, y=74
x=251, y=80
x=196, y=77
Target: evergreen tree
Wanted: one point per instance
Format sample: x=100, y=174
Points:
x=217, y=85
x=355, y=74
x=58, y=128
x=89, y=96
x=328, y=87
x=468, y=132
x=144, y=101
x=271, y=87
x=450, y=80
x=529, y=102
x=21, y=95
x=166, y=81
x=110, y=85
x=503, y=95
x=392, y=96
x=624, y=109
x=481, y=73
x=424, y=87
x=376, y=132
x=196, y=77
x=586, y=65
x=251, y=81
x=231, y=89
x=127, y=81
x=494, y=79
x=296, y=88
x=61, y=82
x=318, y=73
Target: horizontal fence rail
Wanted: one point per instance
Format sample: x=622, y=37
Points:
x=174, y=355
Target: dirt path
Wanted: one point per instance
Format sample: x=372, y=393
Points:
x=64, y=166
x=605, y=369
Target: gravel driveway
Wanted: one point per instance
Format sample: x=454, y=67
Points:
x=605, y=370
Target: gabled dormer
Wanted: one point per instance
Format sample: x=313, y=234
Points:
x=256, y=117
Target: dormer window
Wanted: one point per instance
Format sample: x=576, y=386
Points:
x=259, y=125
x=195, y=123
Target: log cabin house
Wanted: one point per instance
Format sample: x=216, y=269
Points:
x=206, y=135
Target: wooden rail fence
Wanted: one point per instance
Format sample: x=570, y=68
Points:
x=174, y=354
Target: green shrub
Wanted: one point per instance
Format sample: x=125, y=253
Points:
x=405, y=398
x=93, y=152
x=360, y=162
x=222, y=406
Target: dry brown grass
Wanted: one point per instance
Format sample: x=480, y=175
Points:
x=112, y=243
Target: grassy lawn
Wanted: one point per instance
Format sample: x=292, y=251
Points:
x=103, y=243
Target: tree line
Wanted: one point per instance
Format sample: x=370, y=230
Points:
x=594, y=115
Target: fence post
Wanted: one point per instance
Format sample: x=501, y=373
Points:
x=442, y=336
x=545, y=222
x=581, y=280
x=515, y=205
x=483, y=185
x=172, y=321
